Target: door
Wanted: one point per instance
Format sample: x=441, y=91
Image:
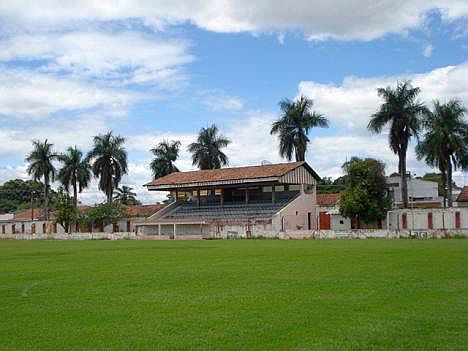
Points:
x=309, y=220
x=324, y=220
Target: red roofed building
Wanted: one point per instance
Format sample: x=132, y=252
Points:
x=236, y=202
x=462, y=199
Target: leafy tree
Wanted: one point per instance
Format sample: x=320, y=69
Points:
x=365, y=197
x=76, y=172
x=445, y=143
x=66, y=211
x=206, y=151
x=293, y=127
x=109, y=159
x=166, y=154
x=41, y=166
x=103, y=214
x=401, y=111
x=16, y=194
x=126, y=196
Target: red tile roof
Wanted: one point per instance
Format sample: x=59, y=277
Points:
x=226, y=174
x=463, y=196
x=328, y=199
x=25, y=215
x=142, y=210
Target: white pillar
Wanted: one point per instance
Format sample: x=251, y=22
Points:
x=159, y=229
x=175, y=231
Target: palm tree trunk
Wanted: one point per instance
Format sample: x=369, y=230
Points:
x=449, y=183
x=300, y=154
x=404, y=180
x=46, y=197
x=444, y=186
x=75, y=194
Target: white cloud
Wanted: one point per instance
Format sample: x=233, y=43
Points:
x=351, y=104
x=216, y=100
x=29, y=94
x=427, y=51
x=342, y=19
x=126, y=57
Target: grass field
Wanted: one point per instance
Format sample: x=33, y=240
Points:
x=234, y=295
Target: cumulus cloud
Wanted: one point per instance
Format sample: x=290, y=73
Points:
x=25, y=93
x=127, y=57
x=341, y=19
x=351, y=103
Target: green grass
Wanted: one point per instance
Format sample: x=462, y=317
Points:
x=234, y=295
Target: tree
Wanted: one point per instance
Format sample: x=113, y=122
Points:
x=206, y=151
x=41, y=166
x=401, y=111
x=76, y=172
x=293, y=127
x=445, y=142
x=365, y=197
x=109, y=159
x=125, y=196
x=17, y=194
x=166, y=154
x=103, y=214
x=66, y=211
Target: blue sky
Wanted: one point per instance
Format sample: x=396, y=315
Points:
x=156, y=70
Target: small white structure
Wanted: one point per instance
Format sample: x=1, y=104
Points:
x=421, y=193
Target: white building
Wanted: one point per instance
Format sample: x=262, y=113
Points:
x=421, y=193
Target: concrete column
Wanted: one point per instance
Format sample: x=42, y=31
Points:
x=175, y=231
x=273, y=195
x=246, y=196
x=159, y=229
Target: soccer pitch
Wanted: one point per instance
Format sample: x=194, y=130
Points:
x=234, y=295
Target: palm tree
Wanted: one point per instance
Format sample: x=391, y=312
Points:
x=445, y=143
x=109, y=162
x=206, y=152
x=40, y=166
x=402, y=112
x=165, y=155
x=125, y=196
x=293, y=126
x=76, y=172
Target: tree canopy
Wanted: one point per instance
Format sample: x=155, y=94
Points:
x=206, y=151
x=294, y=125
x=365, y=197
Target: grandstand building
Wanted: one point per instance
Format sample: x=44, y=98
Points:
x=245, y=202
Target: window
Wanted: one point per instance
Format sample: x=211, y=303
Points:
x=297, y=213
x=204, y=192
x=279, y=188
x=3, y=228
x=22, y=228
x=294, y=187
x=341, y=221
x=267, y=189
x=218, y=191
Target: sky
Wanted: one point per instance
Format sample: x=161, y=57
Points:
x=161, y=70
